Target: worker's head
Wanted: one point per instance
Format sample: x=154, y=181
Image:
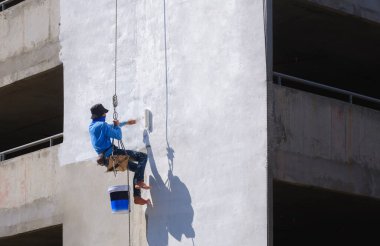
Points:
x=98, y=111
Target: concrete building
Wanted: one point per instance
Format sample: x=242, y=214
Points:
x=264, y=121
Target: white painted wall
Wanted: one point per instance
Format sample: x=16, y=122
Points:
x=210, y=110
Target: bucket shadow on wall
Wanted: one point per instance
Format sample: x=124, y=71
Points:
x=171, y=212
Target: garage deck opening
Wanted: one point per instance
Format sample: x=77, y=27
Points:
x=31, y=110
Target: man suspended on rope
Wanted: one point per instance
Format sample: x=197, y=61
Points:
x=101, y=134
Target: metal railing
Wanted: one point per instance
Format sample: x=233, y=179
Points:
x=4, y=3
x=350, y=95
x=26, y=146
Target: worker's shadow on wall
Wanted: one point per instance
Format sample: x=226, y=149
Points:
x=171, y=211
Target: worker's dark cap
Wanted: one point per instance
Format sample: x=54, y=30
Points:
x=97, y=111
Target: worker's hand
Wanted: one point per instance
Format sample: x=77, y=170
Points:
x=116, y=122
x=131, y=122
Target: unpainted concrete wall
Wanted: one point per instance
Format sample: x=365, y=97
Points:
x=87, y=218
x=29, y=34
x=367, y=9
x=29, y=192
x=36, y=192
x=201, y=72
x=324, y=142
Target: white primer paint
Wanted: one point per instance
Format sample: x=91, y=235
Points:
x=208, y=161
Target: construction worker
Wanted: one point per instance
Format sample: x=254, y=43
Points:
x=101, y=134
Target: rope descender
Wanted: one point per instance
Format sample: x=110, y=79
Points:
x=115, y=103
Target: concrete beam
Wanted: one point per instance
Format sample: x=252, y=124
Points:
x=29, y=35
x=29, y=192
x=324, y=142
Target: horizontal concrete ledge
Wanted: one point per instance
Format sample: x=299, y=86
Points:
x=345, y=177
x=40, y=213
x=324, y=142
x=30, y=192
x=30, y=63
x=34, y=158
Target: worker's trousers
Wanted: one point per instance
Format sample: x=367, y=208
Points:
x=138, y=168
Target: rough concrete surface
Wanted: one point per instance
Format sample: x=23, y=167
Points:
x=87, y=212
x=324, y=142
x=207, y=95
x=29, y=44
x=29, y=192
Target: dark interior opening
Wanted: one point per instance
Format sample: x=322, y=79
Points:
x=325, y=46
x=7, y=4
x=31, y=109
x=313, y=216
x=49, y=236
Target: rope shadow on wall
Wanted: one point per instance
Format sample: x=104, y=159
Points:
x=171, y=212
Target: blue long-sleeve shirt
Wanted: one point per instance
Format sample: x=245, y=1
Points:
x=101, y=134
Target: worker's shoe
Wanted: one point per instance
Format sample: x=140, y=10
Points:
x=141, y=201
x=142, y=185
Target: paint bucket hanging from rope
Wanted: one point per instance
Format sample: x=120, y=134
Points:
x=119, y=198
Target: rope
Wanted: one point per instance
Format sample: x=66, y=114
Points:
x=115, y=43
x=114, y=98
x=120, y=144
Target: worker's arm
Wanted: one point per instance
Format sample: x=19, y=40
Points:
x=129, y=122
x=113, y=131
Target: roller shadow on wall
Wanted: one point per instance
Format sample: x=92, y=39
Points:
x=171, y=212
